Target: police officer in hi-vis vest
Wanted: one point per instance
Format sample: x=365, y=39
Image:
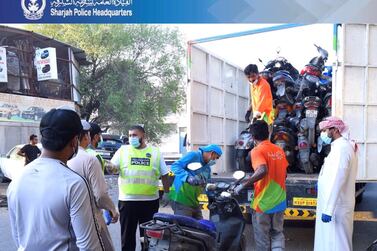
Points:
x=140, y=167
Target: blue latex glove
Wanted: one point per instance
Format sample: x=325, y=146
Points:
x=326, y=218
x=107, y=216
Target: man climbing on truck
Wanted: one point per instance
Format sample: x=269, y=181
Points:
x=260, y=96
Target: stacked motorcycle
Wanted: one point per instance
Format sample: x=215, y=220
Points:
x=301, y=101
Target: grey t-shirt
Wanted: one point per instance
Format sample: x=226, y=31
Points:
x=50, y=209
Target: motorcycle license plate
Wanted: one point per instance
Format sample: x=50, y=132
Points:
x=311, y=113
x=309, y=202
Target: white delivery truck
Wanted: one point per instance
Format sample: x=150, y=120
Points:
x=218, y=96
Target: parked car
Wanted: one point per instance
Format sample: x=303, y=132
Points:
x=13, y=164
x=8, y=110
x=110, y=144
x=33, y=113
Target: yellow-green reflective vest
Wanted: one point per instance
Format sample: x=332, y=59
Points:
x=98, y=156
x=139, y=171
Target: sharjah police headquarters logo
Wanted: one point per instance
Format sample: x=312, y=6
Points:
x=34, y=9
x=148, y=155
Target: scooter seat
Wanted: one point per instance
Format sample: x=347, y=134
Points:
x=203, y=225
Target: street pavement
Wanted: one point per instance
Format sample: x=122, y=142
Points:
x=299, y=234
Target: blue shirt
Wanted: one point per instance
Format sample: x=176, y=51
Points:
x=185, y=195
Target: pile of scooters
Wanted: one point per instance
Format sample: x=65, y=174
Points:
x=301, y=101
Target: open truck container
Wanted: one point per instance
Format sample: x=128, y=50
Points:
x=218, y=96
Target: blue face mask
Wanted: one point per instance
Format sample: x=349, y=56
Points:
x=211, y=162
x=134, y=142
x=325, y=138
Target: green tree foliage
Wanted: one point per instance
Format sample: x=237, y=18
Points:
x=136, y=75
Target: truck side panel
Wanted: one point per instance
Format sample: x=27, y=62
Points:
x=218, y=97
x=355, y=91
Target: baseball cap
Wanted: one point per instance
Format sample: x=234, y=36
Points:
x=95, y=129
x=60, y=123
x=212, y=148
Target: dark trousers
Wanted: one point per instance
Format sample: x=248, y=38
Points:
x=133, y=213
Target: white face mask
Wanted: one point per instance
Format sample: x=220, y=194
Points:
x=255, y=81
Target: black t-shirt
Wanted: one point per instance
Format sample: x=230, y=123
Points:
x=31, y=153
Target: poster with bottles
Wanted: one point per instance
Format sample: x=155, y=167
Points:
x=46, y=64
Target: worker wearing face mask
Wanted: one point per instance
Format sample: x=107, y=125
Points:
x=140, y=167
x=336, y=189
x=260, y=96
x=188, y=184
x=95, y=140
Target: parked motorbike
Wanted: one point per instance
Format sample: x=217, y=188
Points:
x=224, y=231
x=273, y=66
x=311, y=109
x=304, y=154
x=300, y=101
x=283, y=109
x=326, y=89
x=310, y=75
x=307, y=136
x=285, y=86
x=295, y=116
x=281, y=63
x=284, y=137
x=243, y=146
